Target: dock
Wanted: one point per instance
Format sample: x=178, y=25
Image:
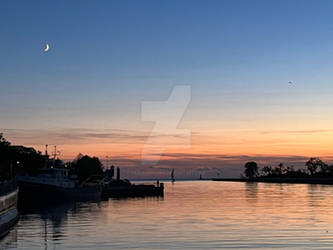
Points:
x=132, y=190
x=122, y=188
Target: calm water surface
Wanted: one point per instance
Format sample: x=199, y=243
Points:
x=191, y=215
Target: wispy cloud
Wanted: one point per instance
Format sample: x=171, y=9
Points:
x=306, y=131
x=79, y=135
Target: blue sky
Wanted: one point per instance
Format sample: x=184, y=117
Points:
x=142, y=48
x=108, y=56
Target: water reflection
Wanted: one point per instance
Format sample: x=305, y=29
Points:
x=51, y=221
x=191, y=215
x=251, y=191
x=9, y=240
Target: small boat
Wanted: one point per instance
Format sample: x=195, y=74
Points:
x=8, y=206
x=173, y=175
x=54, y=184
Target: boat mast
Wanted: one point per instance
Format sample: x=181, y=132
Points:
x=55, y=154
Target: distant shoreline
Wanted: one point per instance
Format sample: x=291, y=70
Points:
x=326, y=181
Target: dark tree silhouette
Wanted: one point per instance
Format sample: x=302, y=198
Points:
x=27, y=159
x=15, y=159
x=324, y=168
x=3, y=141
x=289, y=169
x=314, y=163
x=330, y=169
x=87, y=166
x=251, y=169
x=5, y=159
x=18, y=158
x=267, y=170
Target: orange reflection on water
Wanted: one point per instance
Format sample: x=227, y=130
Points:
x=192, y=214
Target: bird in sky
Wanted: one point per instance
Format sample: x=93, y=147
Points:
x=290, y=82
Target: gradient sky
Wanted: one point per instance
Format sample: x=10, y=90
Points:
x=107, y=57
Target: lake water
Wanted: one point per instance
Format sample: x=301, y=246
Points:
x=192, y=214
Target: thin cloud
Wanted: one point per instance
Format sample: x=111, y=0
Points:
x=82, y=135
x=309, y=131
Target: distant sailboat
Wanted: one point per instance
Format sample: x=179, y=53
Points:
x=172, y=175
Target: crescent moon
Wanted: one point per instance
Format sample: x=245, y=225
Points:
x=47, y=48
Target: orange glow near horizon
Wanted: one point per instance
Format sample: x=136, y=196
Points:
x=208, y=152
x=318, y=143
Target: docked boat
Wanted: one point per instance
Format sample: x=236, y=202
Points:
x=8, y=206
x=54, y=184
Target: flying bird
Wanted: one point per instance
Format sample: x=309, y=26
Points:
x=47, y=47
x=290, y=82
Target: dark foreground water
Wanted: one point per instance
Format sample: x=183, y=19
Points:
x=191, y=215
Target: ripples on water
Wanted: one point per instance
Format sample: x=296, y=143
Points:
x=191, y=215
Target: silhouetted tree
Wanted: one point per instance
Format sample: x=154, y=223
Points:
x=18, y=158
x=28, y=159
x=314, y=163
x=330, y=169
x=5, y=158
x=87, y=166
x=267, y=170
x=288, y=169
x=324, y=168
x=277, y=171
x=3, y=141
x=251, y=169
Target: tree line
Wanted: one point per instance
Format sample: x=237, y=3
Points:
x=314, y=167
x=26, y=160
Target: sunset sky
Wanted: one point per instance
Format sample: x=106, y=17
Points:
x=85, y=94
